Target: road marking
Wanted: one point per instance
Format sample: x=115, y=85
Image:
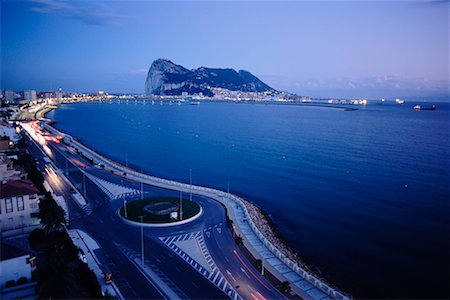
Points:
x=243, y=271
x=231, y=275
x=213, y=274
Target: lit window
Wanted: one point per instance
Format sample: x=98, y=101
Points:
x=9, y=207
x=33, y=205
x=20, y=205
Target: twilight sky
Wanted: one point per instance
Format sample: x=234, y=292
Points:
x=335, y=48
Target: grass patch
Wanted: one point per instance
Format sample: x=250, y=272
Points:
x=137, y=208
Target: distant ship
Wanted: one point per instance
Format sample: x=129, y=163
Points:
x=399, y=101
x=419, y=107
x=194, y=103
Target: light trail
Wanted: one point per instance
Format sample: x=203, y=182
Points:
x=242, y=262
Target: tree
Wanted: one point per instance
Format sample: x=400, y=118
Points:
x=286, y=287
x=55, y=280
x=229, y=222
x=22, y=144
x=51, y=214
x=239, y=240
x=36, y=238
x=258, y=265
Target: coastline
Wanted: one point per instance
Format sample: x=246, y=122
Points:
x=258, y=217
x=269, y=229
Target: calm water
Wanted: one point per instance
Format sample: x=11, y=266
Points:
x=333, y=181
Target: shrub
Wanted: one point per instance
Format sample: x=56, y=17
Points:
x=22, y=280
x=10, y=283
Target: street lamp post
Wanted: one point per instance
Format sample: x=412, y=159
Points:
x=181, y=205
x=142, y=240
x=262, y=266
x=84, y=184
x=190, y=184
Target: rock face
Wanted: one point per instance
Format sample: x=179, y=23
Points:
x=166, y=78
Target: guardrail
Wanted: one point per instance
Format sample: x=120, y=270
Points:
x=216, y=195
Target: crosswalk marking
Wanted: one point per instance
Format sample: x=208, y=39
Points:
x=112, y=190
x=215, y=276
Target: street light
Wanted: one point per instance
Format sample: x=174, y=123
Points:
x=262, y=266
x=190, y=184
x=84, y=185
x=142, y=240
x=181, y=205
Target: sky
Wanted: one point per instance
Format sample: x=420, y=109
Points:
x=382, y=49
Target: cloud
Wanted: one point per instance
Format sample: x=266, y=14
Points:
x=371, y=86
x=90, y=13
x=140, y=71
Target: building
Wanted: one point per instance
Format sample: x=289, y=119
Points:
x=9, y=130
x=5, y=144
x=58, y=96
x=10, y=96
x=19, y=205
x=7, y=171
x=30, y=96
x=17, y=266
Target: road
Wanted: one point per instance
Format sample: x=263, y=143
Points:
x=230, y=274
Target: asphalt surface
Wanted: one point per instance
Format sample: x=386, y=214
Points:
x=120, y=242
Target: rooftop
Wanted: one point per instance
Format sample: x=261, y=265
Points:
x=17, y=188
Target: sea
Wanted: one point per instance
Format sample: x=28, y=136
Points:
x=362, y=196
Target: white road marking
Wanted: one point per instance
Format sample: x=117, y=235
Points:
x=229, y=274
x=243, y=271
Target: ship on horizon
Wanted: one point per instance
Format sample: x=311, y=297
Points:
x=420, y=107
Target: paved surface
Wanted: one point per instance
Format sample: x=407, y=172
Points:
x=303, y=282
x=234, y=277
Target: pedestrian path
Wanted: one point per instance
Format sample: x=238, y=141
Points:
x=112, y=190
x=191, y=247
x=304, y=286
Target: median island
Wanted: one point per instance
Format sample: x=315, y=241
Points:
x=159, y=210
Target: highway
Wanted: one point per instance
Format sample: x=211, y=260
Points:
x=197, y=260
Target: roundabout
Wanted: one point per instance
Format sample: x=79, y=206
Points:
x=160, y=211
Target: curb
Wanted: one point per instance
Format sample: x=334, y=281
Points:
x=160, y=225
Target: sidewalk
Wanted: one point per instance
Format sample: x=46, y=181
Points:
x=83, y=241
